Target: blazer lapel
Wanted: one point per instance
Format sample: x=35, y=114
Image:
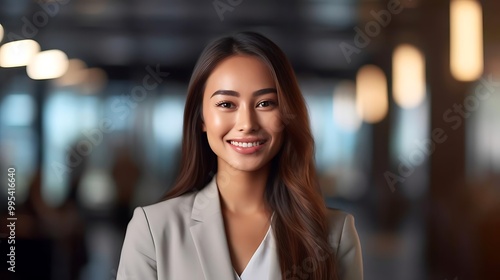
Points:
x=209, y=234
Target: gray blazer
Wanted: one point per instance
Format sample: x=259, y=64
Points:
x=183, y=238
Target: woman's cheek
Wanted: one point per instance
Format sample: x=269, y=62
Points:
x=275, y=124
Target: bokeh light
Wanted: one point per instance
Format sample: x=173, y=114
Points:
x=371, y=91
x=408, y=83
x=49, y=64
x=18, y=53
x=466, y=40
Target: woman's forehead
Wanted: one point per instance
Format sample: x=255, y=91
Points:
x=240, y=73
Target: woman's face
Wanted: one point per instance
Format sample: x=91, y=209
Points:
x=241, y=115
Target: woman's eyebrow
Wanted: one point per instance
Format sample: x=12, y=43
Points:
x=237, y=94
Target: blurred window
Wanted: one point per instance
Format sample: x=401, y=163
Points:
x=343, y=146
x=411, y=148
x=18, y=137
x=483, y=133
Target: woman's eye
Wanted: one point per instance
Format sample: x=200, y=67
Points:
x=266, y=103
x=224, y=104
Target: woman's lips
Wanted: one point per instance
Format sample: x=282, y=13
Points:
x=239, y=146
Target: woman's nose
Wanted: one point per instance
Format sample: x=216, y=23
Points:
x=247, y=119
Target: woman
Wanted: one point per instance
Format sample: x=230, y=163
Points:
x=246, y=204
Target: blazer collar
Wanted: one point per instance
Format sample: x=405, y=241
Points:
x=206, y=202
x=209, y=234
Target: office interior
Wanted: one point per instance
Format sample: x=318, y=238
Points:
x=403, y=98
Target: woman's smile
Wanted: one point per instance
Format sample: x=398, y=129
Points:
x=246, y=148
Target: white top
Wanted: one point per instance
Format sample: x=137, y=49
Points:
x=259, y=265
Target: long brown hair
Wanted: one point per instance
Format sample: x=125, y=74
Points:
x=292, y=191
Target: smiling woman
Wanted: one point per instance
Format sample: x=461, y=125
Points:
x=246, y=203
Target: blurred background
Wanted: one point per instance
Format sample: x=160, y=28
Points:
x=403, y=95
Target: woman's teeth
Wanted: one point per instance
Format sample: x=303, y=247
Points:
x=247, y=144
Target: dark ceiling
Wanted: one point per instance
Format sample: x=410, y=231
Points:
x=129, y=33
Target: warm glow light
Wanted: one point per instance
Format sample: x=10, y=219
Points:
x=466, y=39
x=95, y=80
x=344, y=106
x=49, y=64
x=18, y=53
x=1, y=33
x=87, y=80
x=75, y=74
x=408, y=83
x=371, y=90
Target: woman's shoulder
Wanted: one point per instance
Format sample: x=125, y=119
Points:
x=337, y=218
x=345, y=242
x=335, y=214
x=172, y=203
x=170, y=210
x=342, y=227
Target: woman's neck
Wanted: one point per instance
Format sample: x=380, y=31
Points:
x=242, y=192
